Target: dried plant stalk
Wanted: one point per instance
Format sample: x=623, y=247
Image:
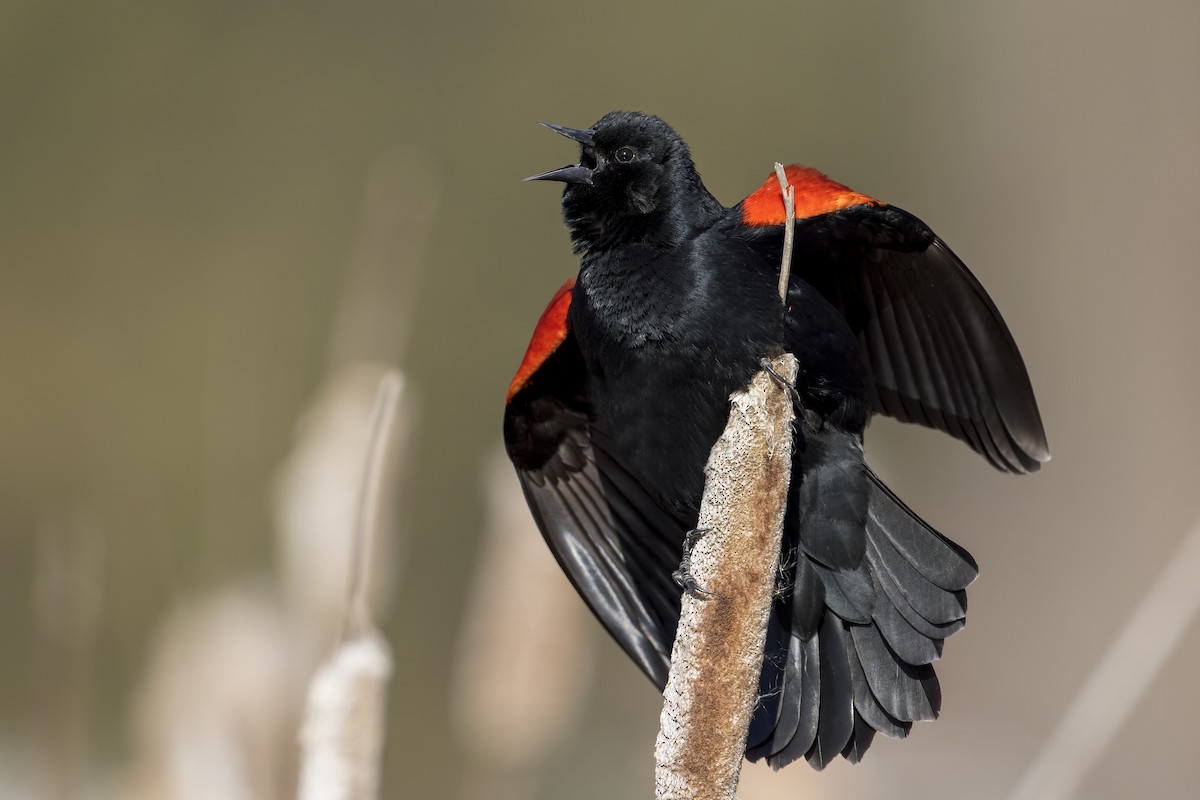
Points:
x=789, y=230
x=715, y=665
x=343, y=730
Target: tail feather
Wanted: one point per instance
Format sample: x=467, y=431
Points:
x=940, y=560
x=896, y=597
x=809, y=597
x=908, y=643
x=833, y=499
x=866, y=704
x=803, y=689
x=848, y=593
x=789, y=714
x=836, y=717
x=855, y=632
x=765, y=721
x=856, y=748
x=932, y=602
x=908, y=692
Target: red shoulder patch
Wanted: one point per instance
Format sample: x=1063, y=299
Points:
x=815, y=194
x=547, y=336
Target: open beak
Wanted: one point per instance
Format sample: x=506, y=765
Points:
x=575, y=134
x=572, y=173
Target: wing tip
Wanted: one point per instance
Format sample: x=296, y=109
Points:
x=1029, y=457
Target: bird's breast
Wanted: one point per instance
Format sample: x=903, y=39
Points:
x=662, y=358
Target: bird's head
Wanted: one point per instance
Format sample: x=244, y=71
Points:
x=633, y=182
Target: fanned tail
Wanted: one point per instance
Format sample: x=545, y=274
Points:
x=868, y=593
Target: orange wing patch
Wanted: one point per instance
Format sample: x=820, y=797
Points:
x=547, y=336
x=815, y=194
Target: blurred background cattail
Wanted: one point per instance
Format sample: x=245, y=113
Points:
x=221, y=223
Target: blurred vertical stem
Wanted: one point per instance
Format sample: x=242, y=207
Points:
x=1120, y=679
x=344, y=721
x=383, y=421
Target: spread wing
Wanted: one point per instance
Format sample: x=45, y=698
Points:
x=936, y=348
x=615, y=543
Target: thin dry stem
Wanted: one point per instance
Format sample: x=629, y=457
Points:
x=383, y=419
x=789, y=230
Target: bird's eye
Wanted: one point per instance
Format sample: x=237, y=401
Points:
x=625, y=155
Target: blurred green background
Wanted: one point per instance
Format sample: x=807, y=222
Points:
x=210, y=210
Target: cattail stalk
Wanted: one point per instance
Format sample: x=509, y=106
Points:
x=715, y=665
x=343, y=729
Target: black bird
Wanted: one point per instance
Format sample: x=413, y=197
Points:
x=625, y=388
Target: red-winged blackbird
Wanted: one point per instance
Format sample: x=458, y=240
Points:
x=625, y=387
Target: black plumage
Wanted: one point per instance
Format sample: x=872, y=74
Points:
x=625, y=389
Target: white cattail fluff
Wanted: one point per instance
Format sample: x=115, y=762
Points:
x=342, y=735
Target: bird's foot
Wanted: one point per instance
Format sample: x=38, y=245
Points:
x=765, y=363
x=683, y=575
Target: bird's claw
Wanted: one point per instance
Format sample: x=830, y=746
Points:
x=683, y=576
x=765, y=363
